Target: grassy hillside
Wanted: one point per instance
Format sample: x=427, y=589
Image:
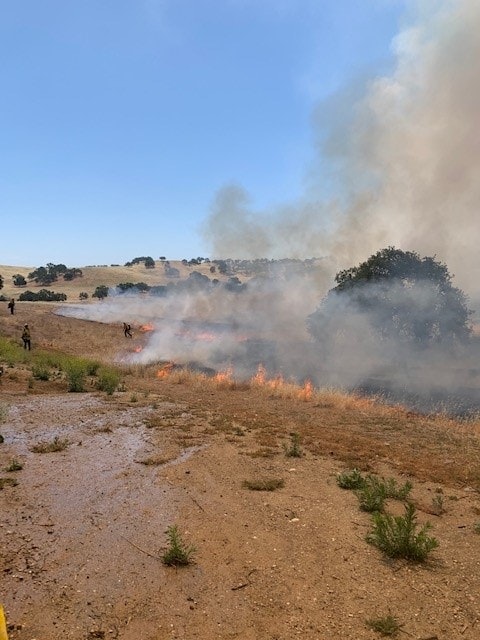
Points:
x=110, y=276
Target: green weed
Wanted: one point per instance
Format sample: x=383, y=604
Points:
x=397, y=536
x=178, y=553
x=294, y=450
x=351, y=480
x=386, y=626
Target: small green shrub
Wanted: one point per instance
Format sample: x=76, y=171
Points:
x=108, y=380
x=371, y=490
x=76, y=374
x=14, y=466
x=91, y=367
x=386, y=626
x=351, y=480
x=294, y=450
x=177, y=554
x=371, y=496
x=392, y=490
x=476, y=528
x=40, y=372
x=264, y=485
x=397, y=536
x=57, y=444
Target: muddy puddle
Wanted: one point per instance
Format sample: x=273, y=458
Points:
x=80, y=529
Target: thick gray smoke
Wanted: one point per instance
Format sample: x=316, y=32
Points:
x=402, y=165
x=218, y=328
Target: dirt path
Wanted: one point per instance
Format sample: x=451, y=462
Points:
x=68, y=566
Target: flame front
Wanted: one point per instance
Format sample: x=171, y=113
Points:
x=165, y=371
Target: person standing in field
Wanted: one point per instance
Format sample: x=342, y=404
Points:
x=11, y=306
x=26, y=337
x=127, y=330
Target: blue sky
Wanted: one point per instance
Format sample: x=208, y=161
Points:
x=122, y=119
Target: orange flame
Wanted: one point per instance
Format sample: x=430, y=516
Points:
x=276, y=382
x=147, y=327
x=306, y=392
x=165, y=371
x=224, y=377
x=260, y=377
x=138, y=349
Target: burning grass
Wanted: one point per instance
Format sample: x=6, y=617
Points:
x=360, y=431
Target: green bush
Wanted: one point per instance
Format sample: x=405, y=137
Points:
x=397, y=536
x=40, y=372
x=108, y=380
x=92, y=367
x=372, y=495
x=13, y=353
x=76, y=374
x=351, y=479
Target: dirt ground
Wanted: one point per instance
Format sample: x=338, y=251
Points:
x=83, y=531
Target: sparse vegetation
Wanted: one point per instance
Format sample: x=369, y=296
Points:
x=108, y=380
x=438, y=504
x=270, y=484
x=398, y=537
x=14, y=465
x=294, y=450
x=40, y=372
x=350, y=480
x=76, y=374
x=371, y=490
x=178, y=553
x=52, y=446
x=386, y=626
x=8, y=482
x=374, y=491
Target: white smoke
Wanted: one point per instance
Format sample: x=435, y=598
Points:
x=404, y=162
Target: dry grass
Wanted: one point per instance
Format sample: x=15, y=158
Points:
x=94, y=276
x=265, y=484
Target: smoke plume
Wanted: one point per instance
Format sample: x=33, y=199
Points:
x=399, y=166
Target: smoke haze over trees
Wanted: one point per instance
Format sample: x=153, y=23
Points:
x=401, y=297
x=397, y=161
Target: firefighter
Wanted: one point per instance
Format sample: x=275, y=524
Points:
x=127, y=330
x=11, y=306
x=26, y=337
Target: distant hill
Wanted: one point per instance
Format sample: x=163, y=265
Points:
x=108, y=275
